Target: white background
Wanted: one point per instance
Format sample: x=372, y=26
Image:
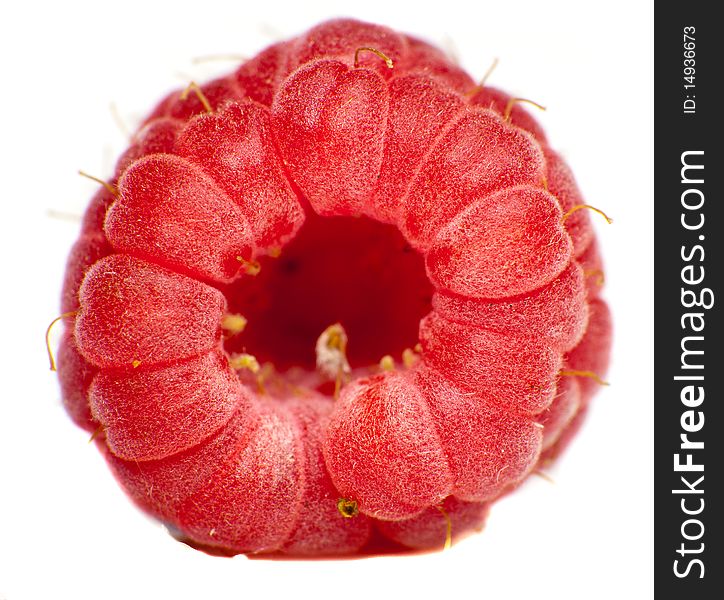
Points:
x=67, y=531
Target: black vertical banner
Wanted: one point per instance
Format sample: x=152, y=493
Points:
x=689, y=264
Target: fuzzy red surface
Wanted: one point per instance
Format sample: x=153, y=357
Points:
x=401, y=199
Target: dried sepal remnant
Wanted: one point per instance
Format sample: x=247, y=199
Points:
x=245, y=361
x=387, y=363
x=251, y=267
x=234, y=324
x=409, y=357
x=352, y=176
x=53, y=323
x=331, y=351
x=448, y=527
x=507, y=113
x=578, y=207
x=388, y=61
x=589, y=374
x=347, y=508
x=109, y=187
x=194, y=87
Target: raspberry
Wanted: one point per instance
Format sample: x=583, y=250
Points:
x=337, y=302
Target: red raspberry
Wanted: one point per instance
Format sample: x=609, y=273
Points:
x=350, y=191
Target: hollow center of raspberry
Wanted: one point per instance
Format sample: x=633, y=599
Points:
x=348, y=270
